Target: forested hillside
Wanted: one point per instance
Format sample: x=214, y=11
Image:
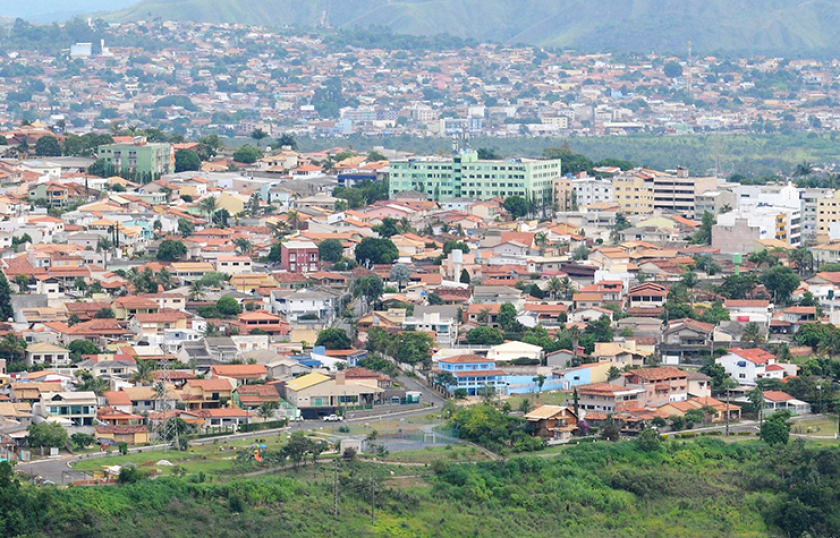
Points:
x=644, y=488
x=747, y=26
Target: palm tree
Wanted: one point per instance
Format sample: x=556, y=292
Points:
x=540, y=381
x=555, y=286
x=404, y=226
x=293, y=219
x=574, y=335
x=541, y=240
x=196, y=291
x=752, y=334
x=243, y=245
x=144, y=374
x=12, y=347
x=266, y=410
x=726, y=208
x=208, y=206
x=803, y=169
x=164, y=278
x=483, y=315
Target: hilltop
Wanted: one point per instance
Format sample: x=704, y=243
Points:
x=744, y=26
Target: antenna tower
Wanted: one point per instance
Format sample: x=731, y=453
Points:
x=165, y=427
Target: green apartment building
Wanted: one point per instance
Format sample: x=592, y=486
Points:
x=141, y=158
x=464, y=175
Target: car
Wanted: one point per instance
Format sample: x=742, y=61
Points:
x=333, y=418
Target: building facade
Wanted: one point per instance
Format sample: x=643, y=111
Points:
x=144, y=158
x=299, y=257
x=465, y=175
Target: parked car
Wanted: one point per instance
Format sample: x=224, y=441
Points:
x=333, y=418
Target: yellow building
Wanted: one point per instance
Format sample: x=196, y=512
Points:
x=234, y=203
x=562, y=193
x=828, y=212
x=632, y=195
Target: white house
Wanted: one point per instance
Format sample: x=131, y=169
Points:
x=295, y=304
x=750, y=311
x=747, y=366
x=46, y=354
x=514, y=350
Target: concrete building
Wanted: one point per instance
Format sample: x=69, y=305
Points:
x=465, y=175
x=299, y=257
x=633, y=195
x=562, y=194
x=772, y=222
x=677, y=192
x=828, y=212
x=739, y=237
x=144, y=158
x=590, y=190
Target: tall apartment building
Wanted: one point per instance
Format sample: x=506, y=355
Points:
x=828, y=212
x=772, y=222
x=633, y=195
x=140, y=156
x=591, y=190
x=676, y=193
x=465, y=175
x=810, y=199
x=562, y=194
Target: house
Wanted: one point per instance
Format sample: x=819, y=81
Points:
x=618, y=354
x=796, y=316
x=233, y=265
x=609, y=398
x=70, y=408
x=647, y=300
x=299, y=257
x=750, y=311
x=262, y=321
x=225, y=417
x=484, y=314
x=444, y=327
x=472, y=373
x=212, y=393
x=515, y=350
x=129, y=434
x=747, y=366
x=699, y=385
x=775, y=400
x=239, y=374
x=316, y=394
x=585, y=374
x=303, y=305
x=719, y=408
x=146, y=399
x=553, y=423
x=687, y=338
x=156, y=324
x=662, y=385
x=46, y=354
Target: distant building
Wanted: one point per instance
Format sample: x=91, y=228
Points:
x=465, y=175
x=140, y=156
x=299, y=257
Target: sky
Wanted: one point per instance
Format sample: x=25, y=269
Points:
x=56, y=10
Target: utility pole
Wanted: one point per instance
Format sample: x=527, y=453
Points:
x=372, y=501
x=727, y=408
x=335, y=488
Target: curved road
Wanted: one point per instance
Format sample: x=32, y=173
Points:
x=56, y=469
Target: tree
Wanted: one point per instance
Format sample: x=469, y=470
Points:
x=330, y=250
x=144, y=374
x=400, y=274
x=208, y=206
x=171, y=250
x=6, y=310
x=488, y=154
x=266, y=410
x=465, y=277
x=79, y=348
x=752, y=334
x=187, y=160
x=333, y=338
x=781, y=281
x=369, y=286
x=387, y=228
x=243, y=245
x=297, y=447
x=46, y=434
x=412, y=348
x=775, y=430
x=525, y=406
x=703, y=235
x=376, y=251
x=449, y=246
x=47, y=146
x=649, y=440
x=516, y=206
x=485, y=336
x=104, y=313
x=82, y=440
x=540, y=381
x=247, y=154
x=228, y=306
x=672, y=70
x=738, y=286
x=287, y=139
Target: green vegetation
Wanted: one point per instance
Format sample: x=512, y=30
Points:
x=715, y=25
x=645, y=488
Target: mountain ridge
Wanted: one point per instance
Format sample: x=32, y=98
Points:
x=737, y=26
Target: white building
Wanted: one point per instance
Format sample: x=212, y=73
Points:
x=514, y=350
x=590, y=190
x=747, y=366
x=318, y=306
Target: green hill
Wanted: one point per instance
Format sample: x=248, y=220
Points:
x=747, y=26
